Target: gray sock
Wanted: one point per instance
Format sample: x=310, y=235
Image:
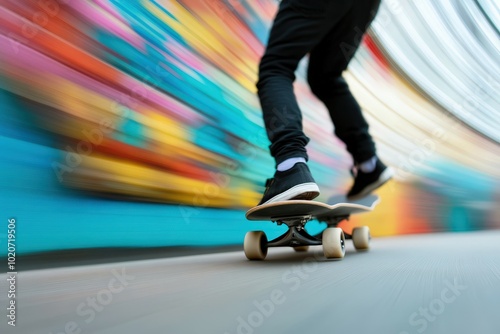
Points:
x=289, y=163
x=368, y=166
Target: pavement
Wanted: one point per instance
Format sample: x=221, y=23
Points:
x=429, y=283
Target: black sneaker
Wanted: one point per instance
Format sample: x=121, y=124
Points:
x=365, y=183
x=295, y=183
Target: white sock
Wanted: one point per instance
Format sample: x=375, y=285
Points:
x=289, y=163
x=368, y=166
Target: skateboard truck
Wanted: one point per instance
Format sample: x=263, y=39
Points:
x=296, y=234
x=334, y=222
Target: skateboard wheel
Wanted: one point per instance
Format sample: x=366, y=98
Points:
x=333, y=243
x=301, y=248
x=361, y=237
x=255, y=245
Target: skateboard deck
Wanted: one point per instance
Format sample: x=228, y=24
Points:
x=297, y=213
x=342, y=207
x=336, y=206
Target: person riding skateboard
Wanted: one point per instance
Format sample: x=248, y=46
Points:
x=330, y=32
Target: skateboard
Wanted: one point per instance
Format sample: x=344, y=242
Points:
x=297, y=213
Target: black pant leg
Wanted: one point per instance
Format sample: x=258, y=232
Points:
x=299, y=26
x=327, y=62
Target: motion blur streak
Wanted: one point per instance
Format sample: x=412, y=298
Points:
x=154, y=101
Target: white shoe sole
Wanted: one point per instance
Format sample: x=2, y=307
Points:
x=303, y=191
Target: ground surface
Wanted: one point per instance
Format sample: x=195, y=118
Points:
x=440, y=283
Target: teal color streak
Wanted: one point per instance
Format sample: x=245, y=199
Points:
x=50, y=217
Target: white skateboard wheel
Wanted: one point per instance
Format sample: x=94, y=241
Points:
x=361, y=237
x=333, y=243
x=255, y=245
x=301, y=248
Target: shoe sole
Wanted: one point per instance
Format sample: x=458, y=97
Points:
x=305, y=191
x=386, y=175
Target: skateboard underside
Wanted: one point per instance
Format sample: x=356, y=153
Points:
x=296, y=214
x=332, y=238
x=297, y=235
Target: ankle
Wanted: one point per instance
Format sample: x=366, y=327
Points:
x=289, y=163
x=369, y=165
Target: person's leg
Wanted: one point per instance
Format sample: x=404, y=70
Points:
x=327, y=62
x=349, y=123
x=298, y=27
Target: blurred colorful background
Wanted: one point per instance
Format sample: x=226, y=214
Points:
x=136, y=123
